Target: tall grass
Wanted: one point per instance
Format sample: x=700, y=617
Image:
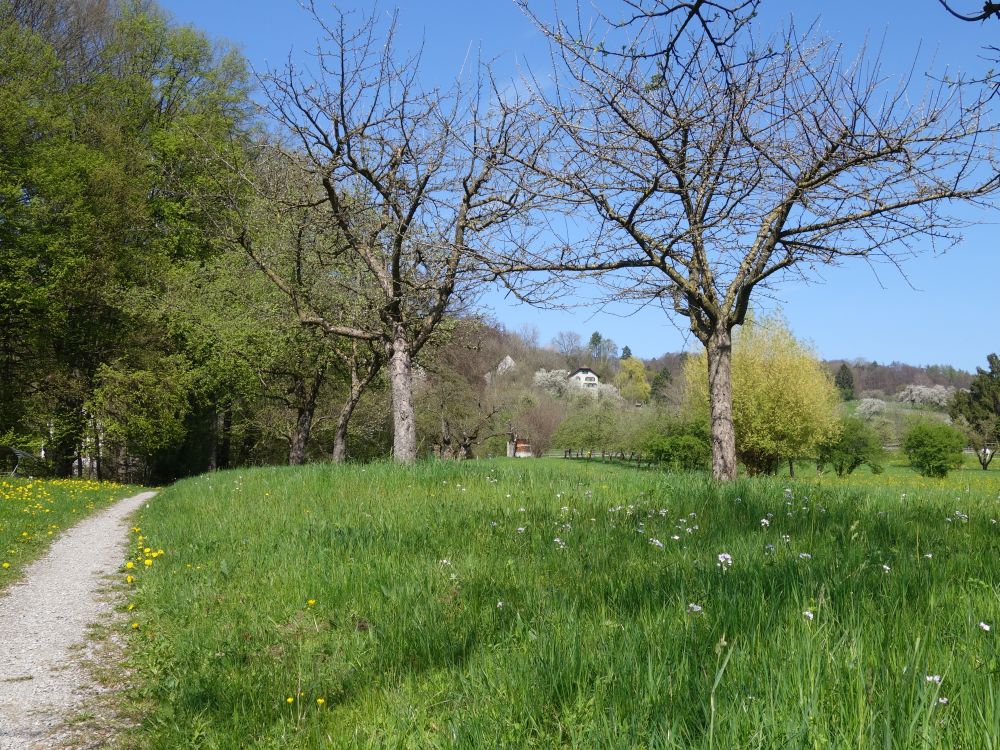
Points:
x=34, y=511
x=554, y=603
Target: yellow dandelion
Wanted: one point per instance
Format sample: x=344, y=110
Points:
x=129, y=579
x=147, y=562
x=6, y=565
x=129, y=565
x=135, y=626
x=311, y=602
x=320, y=701
x=289, y=699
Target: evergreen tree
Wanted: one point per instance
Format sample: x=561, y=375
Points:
x=845, y=382
x=978, y=411
x=626, y=352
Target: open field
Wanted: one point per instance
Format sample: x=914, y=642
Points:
x=34, y=511
x=566, y=604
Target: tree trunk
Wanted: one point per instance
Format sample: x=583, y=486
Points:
x=308, y=396
x=221, y=443
x=404, y=430
x=98, y=463
x=300, y=437
x=720, y=399
x=339, y=454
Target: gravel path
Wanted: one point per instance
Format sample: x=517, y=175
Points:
x=43, y=621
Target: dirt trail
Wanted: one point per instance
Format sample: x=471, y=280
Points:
x=44, y=620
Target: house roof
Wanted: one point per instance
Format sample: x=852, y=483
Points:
x=582, y=369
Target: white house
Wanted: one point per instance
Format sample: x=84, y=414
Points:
x=584, y=377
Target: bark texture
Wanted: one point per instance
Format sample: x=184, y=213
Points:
x=720, y=398
x=404, y=426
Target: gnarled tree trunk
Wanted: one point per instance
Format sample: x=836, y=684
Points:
x=719, y=348
x=404, y=428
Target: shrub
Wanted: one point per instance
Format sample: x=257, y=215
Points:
x=934, y=448
x=857, y=444
x=681, y=452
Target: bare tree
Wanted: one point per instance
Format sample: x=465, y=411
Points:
x=411, y=179
x=711, y=178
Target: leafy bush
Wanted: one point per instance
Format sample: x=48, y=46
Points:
x=681, y=452
x=934, y=448
x=856, y=444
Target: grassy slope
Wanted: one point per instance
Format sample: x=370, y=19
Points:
x=516, y=641
x=34, y=511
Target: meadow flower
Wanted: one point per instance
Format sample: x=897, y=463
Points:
x=675, y=537
x=808, y=615
x=984, y=626
x=311, y=603
x=885, y=568
x=935, y=678
x=320, y=701
x=446, y=561
x=805, y=556
x=289, y=699
x=764, y=523
x=499, y=605
x=725, y=561
x=694, y=608
x=943, y=701
x=656, y=543
x=520, y=529
x=785, y=538
x=560, y=543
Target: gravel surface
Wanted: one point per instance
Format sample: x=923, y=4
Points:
x=43, y=623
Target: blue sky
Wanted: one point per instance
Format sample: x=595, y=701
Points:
x=945, y=313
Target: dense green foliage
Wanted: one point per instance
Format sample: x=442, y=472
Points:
x=856, y=444
x=844, y=380
x=934, y=448
x=531, y=604
x=106, y=179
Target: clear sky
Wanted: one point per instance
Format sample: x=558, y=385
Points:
x=947, y=311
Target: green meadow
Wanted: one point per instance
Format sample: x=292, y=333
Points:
x=551, y=603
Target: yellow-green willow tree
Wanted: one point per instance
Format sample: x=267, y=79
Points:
x=785, y=403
